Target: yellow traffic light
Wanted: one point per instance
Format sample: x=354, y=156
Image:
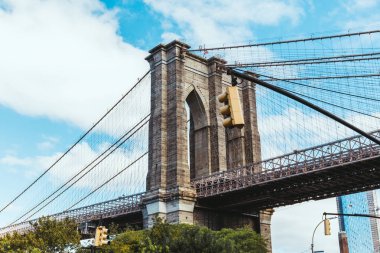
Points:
x=101, y=236
x=326, y=223
x=231, y=110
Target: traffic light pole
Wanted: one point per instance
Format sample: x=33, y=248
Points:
x=353, y=214
x=315, y=229
x=288, y=94
x=312, y=238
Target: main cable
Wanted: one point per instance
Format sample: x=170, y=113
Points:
x=119, y=142
x=67, y=151
x=302, y=101
x=109, y=180
x=319, y=88
x=332, y=104
x=286, y=41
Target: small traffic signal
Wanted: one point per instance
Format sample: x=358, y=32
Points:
x=101, y=236
x=326, y=223
x=231, y=110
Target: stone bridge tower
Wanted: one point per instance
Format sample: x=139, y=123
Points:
x=187, y=139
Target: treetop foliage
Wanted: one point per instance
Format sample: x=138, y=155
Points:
x=50, y=235
x=183, y=238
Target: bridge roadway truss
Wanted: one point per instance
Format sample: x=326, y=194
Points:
x=112, y=208
x=329, y=170
x=333, y=169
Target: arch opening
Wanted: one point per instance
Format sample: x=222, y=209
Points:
x=197, y=136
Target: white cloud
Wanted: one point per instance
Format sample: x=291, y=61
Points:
x=11, y=160
x=358, y=5
x=47, y=143
x=79, y=158
x=362, y=23
x=168, y=37
x=64, y=59
x=224, y=21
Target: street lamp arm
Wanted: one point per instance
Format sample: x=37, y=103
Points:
x=312, y=238
x=353, y=214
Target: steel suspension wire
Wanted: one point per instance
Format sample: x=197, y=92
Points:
x=305, y=102
x=82, y=169
x=286, y=41
x=271, y=78
x=71, y=147
x=319, y=60
x=332, y=104
x=328, y=77
x=106, y=182
x=105, y=154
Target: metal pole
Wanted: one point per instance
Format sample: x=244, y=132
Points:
x=302, y=101
x=312, y=238
x=353, y=214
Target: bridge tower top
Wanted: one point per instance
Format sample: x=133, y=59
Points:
x=186, y=136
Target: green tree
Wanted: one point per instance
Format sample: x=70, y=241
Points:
x=55, y=235
x=171, y=238
x=239, y=241
x=47, y=236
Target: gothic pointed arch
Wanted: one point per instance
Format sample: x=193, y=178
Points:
x=198, y=134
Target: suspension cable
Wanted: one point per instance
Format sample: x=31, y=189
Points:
x=302, y=101
x=119, y=142
x=285, y=41
x=319, y=88
x=67, y=151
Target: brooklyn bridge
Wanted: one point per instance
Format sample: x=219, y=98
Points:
x=311, y=115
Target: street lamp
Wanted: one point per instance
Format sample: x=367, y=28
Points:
x=315, y=229
x=328, y=224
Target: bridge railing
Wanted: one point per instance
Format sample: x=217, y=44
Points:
x=107, y=209
x=320, y=157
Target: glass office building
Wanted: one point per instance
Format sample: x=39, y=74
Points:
x=362, y=233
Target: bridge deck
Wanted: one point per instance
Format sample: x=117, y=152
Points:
x=112, y=208
x=333, y=169
x=337, y=168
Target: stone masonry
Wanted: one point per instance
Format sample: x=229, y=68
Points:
x=180, y=78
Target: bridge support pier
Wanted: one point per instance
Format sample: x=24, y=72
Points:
x=265, y=226
x=172, y=206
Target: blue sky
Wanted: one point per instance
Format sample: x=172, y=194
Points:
x=63, y=63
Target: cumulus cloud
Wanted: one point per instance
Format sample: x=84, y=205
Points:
x=355, y=5
x=225, y=21
x=64, y=59
x=48, y=143
x=169, y=36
